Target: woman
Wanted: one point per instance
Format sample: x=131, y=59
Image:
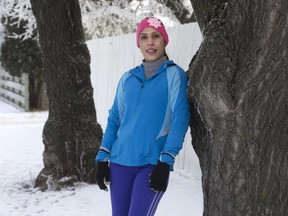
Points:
x=146, y=127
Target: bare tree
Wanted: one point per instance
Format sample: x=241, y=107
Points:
x=239, y=93
x=71, y=133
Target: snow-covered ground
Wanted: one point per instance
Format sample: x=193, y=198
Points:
x=21, y=160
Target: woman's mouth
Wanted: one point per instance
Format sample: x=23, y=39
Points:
x=151, y=51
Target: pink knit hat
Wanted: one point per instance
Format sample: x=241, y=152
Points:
x=154, y=23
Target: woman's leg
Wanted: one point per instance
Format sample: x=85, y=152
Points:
x=144, y=201
x=121, y=185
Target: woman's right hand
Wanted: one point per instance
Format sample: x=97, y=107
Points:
x=103, y=174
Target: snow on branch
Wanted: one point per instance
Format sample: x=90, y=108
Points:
x=100, y=18
x=20, y=12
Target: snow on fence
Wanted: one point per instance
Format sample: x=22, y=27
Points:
x=112, y=56
x=14, y=90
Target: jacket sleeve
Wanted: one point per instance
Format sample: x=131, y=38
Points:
x=113, y=123
x=180, y=108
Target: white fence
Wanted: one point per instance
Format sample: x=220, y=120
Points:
x=111, y=57
x=14, y=90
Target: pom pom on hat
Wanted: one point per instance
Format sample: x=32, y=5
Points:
x=152, y=22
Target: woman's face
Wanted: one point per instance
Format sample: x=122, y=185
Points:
x=152, y=44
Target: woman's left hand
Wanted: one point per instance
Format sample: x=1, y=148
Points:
x=159, y=177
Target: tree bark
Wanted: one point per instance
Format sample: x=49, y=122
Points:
x=238, y=90
x=71, y=134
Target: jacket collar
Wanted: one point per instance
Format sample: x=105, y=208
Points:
x=139, y=71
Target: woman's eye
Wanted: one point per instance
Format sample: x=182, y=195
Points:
x=143, y=37
x=156, y=36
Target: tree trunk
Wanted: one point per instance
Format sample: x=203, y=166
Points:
x=71, y=134
x=239, y=93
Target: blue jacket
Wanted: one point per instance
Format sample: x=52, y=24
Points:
x=148, y=119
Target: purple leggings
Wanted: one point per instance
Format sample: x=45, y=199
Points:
x=130, y=191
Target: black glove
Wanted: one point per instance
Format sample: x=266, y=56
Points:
x=159, y=177
x=103, y=172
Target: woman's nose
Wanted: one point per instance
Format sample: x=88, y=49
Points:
x=150, y=41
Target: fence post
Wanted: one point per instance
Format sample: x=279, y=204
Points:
x=25, y=78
